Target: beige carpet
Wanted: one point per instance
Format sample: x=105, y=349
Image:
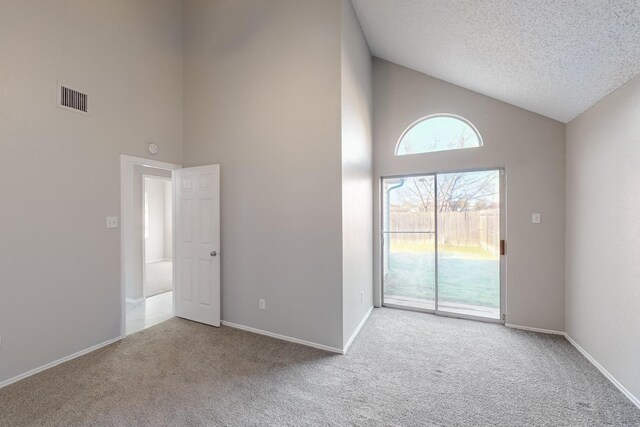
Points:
x=405, y=368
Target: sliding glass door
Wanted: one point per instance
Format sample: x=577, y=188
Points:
x=441, y=243
x=409, y=241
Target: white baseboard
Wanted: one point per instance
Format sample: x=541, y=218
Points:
x=158, y=260
x=357, y=331
x=593, y=361
x=606, y=373
x=590, y=358
x=283, y=337
x=528, y=328
x=57, y=362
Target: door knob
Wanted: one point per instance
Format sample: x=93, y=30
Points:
x=214, y=253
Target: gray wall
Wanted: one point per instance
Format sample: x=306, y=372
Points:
x=59, y=266
x=603, y=226
x=529, y=146
x=357, y=186
x=262, y=98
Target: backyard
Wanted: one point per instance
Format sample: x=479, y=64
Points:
x=468, y=276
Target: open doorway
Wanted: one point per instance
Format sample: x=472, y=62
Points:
x=151, y=300
x=158, y=236
x=147, y=243
x=169, y=213
x=150, y=290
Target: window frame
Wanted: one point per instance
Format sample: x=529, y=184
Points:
x=434, y=116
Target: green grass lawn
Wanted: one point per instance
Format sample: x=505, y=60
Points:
x=466, y=275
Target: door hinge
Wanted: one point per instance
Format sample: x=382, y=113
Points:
x=503, y=249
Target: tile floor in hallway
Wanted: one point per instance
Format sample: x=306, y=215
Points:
x=151, y=311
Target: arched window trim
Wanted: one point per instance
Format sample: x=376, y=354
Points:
x=433, y=116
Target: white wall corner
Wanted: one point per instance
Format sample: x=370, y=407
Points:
x=357, y=331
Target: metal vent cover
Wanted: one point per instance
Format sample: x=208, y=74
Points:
x=71, y=99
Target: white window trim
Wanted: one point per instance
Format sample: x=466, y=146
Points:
x=434, y=116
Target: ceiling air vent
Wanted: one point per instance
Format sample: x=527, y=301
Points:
x=73, y=100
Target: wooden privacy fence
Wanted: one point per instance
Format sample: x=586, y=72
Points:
x=470, y=228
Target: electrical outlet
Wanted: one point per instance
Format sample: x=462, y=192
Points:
x=362, y=296
x=112, y=222
x=262, y=305
x=535, y=218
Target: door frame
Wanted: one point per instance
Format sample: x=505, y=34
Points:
x=503, y=236
x=127, y=219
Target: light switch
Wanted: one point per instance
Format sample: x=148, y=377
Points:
x=112, y=222
x=535, y=218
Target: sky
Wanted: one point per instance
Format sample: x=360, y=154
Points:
x=438, y=133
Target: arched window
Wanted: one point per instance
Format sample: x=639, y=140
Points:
x=439, y=132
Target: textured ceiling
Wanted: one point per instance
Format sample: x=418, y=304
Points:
x=554, y=57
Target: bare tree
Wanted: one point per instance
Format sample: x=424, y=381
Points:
x=456, y=191
x=438, y=143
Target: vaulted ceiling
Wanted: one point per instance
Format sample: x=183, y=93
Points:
x=553, y=57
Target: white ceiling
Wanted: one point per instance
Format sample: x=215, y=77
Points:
x=554, y=57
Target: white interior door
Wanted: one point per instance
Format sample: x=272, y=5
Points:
x=197, y=244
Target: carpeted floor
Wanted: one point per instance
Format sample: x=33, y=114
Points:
x=404, y=369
